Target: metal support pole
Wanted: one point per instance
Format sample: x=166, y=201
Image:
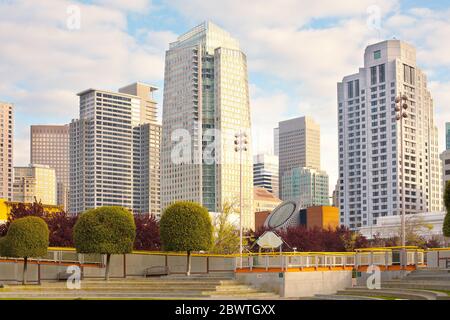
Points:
x=240, y=207
x=401, y=107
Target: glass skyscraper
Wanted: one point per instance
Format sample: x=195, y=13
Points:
x=306, y=186
x=206, y=102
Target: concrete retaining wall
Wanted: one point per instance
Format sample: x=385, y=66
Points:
x=299, y=284
x=132, y=265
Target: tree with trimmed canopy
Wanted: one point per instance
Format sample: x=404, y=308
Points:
x=186, y=226
x=105, y=230
x=26, y=238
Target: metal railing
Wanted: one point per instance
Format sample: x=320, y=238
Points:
x=332, y=260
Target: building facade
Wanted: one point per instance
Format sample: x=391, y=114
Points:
x=276, y=141
x=6, y=150
x=447, y=136
x=307, y=187
x=114, y=151
x=206, y=103
x=49, y=145
x=265, y=172
x=35, y=183
x=264, y=200
x=369, y=136
x=299, y=147
x=445, y=157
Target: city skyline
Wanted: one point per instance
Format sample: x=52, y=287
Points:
x=300, y=81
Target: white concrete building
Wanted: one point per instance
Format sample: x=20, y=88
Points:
x=206, y=102
x=265, y=172
x=369, y=135
x=114, y=151
x=427, y=225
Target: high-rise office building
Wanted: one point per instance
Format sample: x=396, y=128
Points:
x=308, y=187
x=35, y=183
x=276, y=137
x=114, y=151
x=265, y=172
x=6, y=150
x=206, y=103
x=447, y=136
x=369, y=138
x=49, y=145
x=445, y=157
x=299, y=146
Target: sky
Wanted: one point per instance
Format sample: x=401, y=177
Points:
x=297, y=51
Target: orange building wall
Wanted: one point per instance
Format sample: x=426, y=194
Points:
x=260, y=218
x=322, y=217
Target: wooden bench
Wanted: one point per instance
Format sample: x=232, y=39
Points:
x=157, y=271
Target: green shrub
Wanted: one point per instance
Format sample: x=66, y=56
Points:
x=446, y=226
x=26, y=237
x=105, y=230
x=186, y=226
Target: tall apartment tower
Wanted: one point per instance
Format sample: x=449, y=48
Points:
x=50, y=146
x=35, y=182
x=299, y=146
x=369, y=138
x=6, y=150
x=206, y=102
x=114, y=151
x=265, y=172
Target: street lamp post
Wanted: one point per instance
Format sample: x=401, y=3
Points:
x=401, y=106
x=240, y=142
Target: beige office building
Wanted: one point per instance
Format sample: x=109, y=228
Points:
x=6, y=150
x=206, y=102
x=49, y=145
x=298, y=146
x=35, y=182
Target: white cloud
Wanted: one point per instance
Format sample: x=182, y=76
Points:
x=130, y=5
x=267, y=110
x=47, y=63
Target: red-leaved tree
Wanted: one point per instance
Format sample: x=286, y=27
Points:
x=147, y=233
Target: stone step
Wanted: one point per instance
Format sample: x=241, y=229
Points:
x=428, y=277
x=137, y=288
x=395, y=292
x=73, y=294
x=413, y=285
x=145, y=282
x=342, y=297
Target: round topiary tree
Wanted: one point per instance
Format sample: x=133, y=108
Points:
x=105, y=230
x=26, y=237
x=186, y=226
x=446, y=226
